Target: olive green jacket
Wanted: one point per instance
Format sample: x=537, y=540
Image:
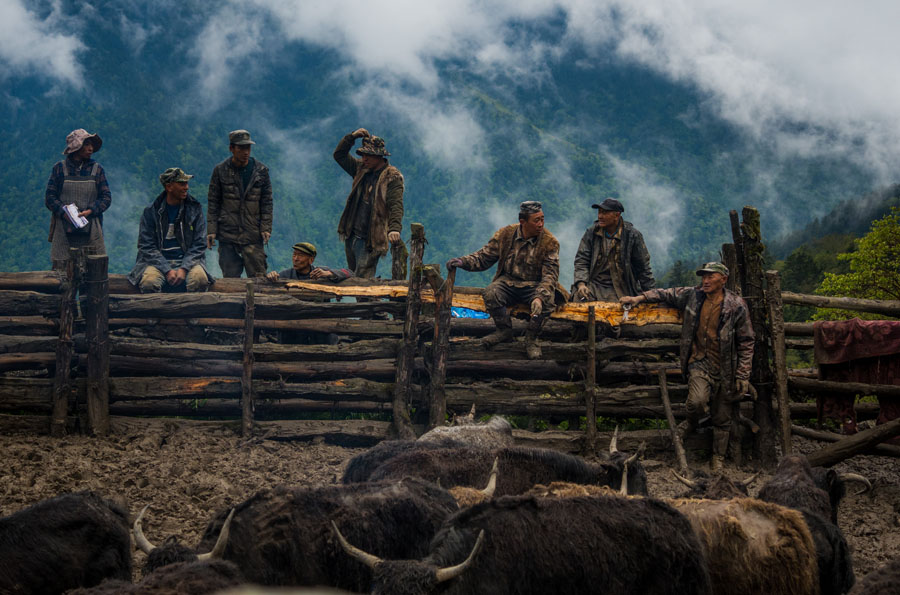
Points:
x=236, y=214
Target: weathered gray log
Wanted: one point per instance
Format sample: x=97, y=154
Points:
x=779, y=358
x=399, y=257
x=402, y=425
x=27, y=344
x=215, y=407
x=885, y=307
x=887, y=450
x=138, y=388
x=97, y=336
x=563, y=352
x=247, y=365
x=28, y=303
x=842, y=388
x=730, y=260
x=738, y=239
x=855, y=444
x=62, y=384
x=27, y=361
x=590, y=383
x=798, y=344
x=798, y=329
x=268, y=307
x=670, y=418
x=28, y=325
x=443, y=300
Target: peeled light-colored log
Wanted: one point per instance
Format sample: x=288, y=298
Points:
x=886, y=307
x=855, y=444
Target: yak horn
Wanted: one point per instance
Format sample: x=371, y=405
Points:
x=859, y=478
x=445, y=574
x=492, y=481
x=746, y=482
x=139, y=538
x=364, y=557
x=221, y=542
x=623, y=489
x=636, y=454
x=684, y=480
x=615, y=438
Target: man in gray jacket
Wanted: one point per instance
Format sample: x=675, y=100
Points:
x=612, y=260
x=240, y=209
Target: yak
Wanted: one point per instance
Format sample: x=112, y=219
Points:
x=74, y=540
x=716, y=487
x=496, y=433
x=361, y=467
x=526, y=544
x=520, y=468
x=281, y=535
x=881, y=581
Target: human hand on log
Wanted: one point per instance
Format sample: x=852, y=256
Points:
x=394, y=237
x=631, y=300
x=536, y=307
x=321, y=274
x=742, y=387
x=582, y=293
x=454, y=263
x=272, y=276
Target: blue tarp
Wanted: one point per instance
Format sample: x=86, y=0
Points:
x=467, y=313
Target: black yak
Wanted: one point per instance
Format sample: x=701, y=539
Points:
x=526, y=544
x=881, y=581
x=361, y=467
x=716, y=487
x=73, y=540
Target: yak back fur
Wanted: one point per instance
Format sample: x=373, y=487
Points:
x=361, y=467
x=881, y=581
x=570, y=545
x=496, y=433
x=73, y=540
x=716, y=487
x=180, y=578
x=750, y=545
x=282, y=535
x=519, y=469
x=834, y=559
x=170, y=552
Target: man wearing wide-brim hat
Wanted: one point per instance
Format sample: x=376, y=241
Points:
x=373, y=214
x=302, y=258
x=77, y=180
x=716, y=350
x=240, y=209
x=612, y=260
x=172, y=240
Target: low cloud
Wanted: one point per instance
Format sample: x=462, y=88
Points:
x=34, y=46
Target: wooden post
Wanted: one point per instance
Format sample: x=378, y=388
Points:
x=761, y=377
x=590, y=383
x=62, y=383
x=399, y=256
x=779, y=358
x=443, y=300
x=730, y=260
x=247, y=374
x=97, y=335
x=740, y=272
x=673, y=429
x=402, y=425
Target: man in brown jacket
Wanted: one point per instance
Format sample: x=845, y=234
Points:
x=527, y=257
x=716, y=350
x=373, y=214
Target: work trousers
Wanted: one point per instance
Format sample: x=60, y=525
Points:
x=359, y=260
x=235, y=258
x=153, y=280
x=707, y=391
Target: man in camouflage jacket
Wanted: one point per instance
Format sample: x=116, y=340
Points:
x=716, y=350
x=373, y=214
x=527, y=257
x=612, y=259
x=240, y=209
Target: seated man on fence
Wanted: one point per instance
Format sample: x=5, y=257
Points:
x=302, y=270
x=527, y=257
x=172, y=240
x=716, y=350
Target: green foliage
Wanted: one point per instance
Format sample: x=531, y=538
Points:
x=680, y=275
x=874, y=271
x=805, y=268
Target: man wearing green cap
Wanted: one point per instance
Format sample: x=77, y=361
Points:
x=302, y=260
x=172, y=240
x=716, y=350
x=373, y=214
x=240, y=209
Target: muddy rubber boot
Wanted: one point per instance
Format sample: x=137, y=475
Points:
x=504, y=330
x=684, y=428
x=716, y=464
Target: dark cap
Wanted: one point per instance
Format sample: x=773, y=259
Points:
x=239, y=137
x=713, y=267
x=373, y=145
x=174, y=174
x=305, y=248
x=530, y=207
x=609, y=204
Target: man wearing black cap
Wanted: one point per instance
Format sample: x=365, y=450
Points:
x=240, y=209
x=612, y=260
x=373, y=214
x=716, y=350
x=527, y=257
x=302, y=270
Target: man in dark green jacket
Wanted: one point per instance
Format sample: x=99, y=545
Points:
x=373, y=214
x=240, y=209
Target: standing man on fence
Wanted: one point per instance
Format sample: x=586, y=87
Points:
x=612, y=260
x=716, y=350
x=240, y=209
x=77, y=180
x=172, y=240
x=527, y=257
x=373, y=214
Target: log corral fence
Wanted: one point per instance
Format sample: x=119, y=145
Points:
x=84, y=351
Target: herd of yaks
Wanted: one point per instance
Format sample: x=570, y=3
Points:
x=462, y=510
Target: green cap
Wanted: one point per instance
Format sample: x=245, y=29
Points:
x=174, y=174
x=713, y=267
x=239, y=137
x=305, y=247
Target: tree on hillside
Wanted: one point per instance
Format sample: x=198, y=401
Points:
x=680, y=275
x=874, y=268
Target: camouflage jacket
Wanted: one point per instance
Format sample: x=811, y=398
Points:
x=634, y=260
x=735, y=330
x=387, y=206
x=236, y=214
x=534, y=264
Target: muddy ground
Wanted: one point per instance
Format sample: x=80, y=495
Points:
x=187, y=473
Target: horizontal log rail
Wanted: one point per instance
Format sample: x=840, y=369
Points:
x=880, y=449
x=886, y=307
x=846, y=388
